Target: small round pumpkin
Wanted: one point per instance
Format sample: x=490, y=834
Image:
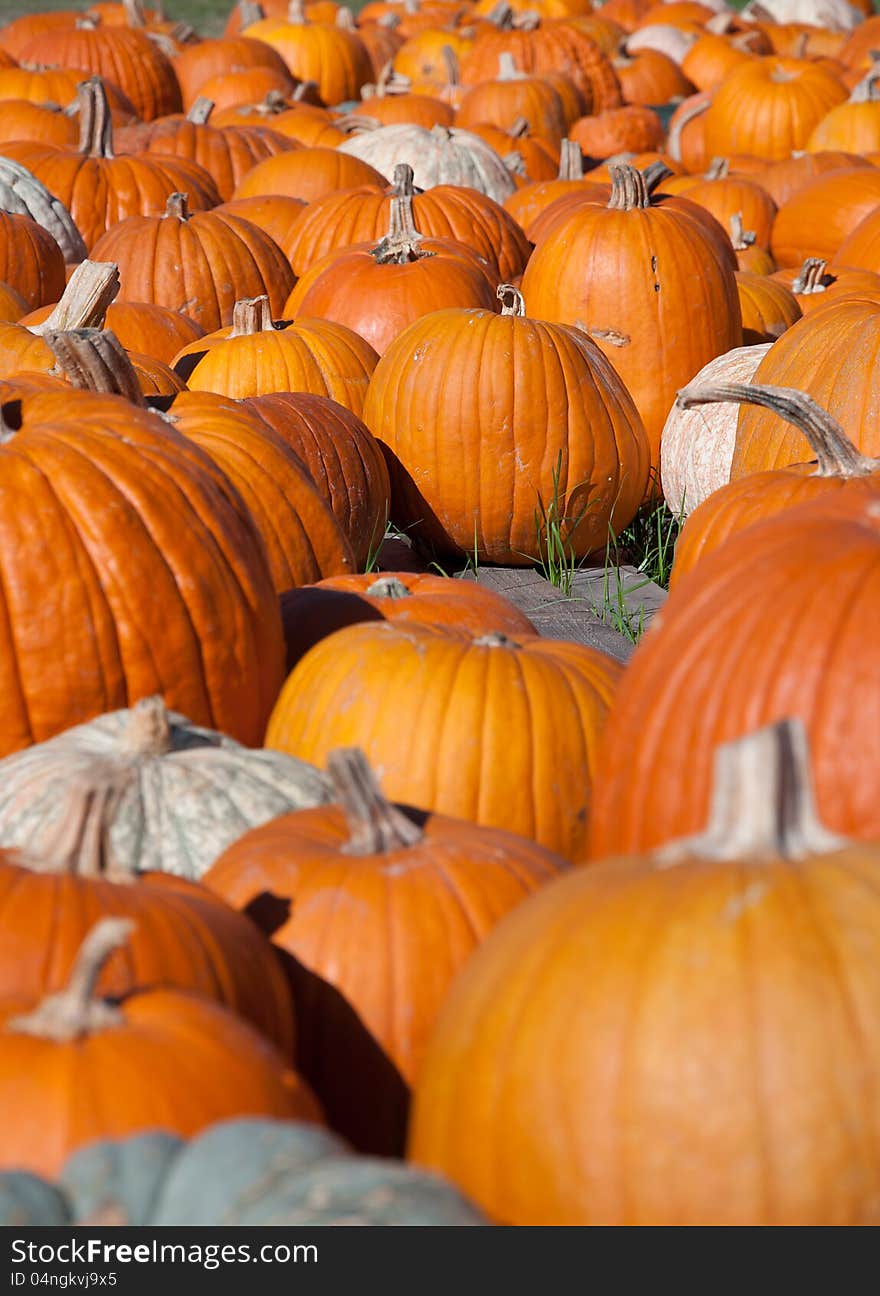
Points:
x=768, y=107
x=31, y=262
x=768, y=307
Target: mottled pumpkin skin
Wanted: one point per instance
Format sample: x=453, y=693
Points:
x=478, y=412
x=148, y=575
x=817, y=567
x=451, y=724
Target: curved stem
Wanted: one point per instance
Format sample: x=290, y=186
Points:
x=512, y=300
x=762, y=802
x=676, y=128
x=90, y=290
x=200, y=111
x=75, y=1011
x=739, y=237
x=507, y=69
x=810, y=276
x=388, y=587
x=95, y=123
x=571, y=161
x=94, y=360
x=375, y=825
x=718, y=169
x=147, y=730
x=835, y=453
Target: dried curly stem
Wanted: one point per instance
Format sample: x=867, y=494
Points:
x=676, y=129
x=90, y=290
x=176, y=207
x=375, y=825
x=739, y=237
x=810, y=277
x=512, y=300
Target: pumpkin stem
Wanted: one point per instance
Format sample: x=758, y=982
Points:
x=683, y=119
x=401, y=244
x=762, y=802
x=835, y=453
x=388, y=587
x=176, y=207
x=632, y=189
x=94, y=360
x=501, y=16
x=403, y=177
x=496, y=640
x=249, y=12
x=719, y=169
x=147, y=730
x=95, y=123
x=571, y=161
x=345, y=20
x=519, y=128
x=200, y=111
x=135, y=13
x=375, y=824
x=90, y=290
x=868, y=89
x=507, y=69
x=251, y=315
x=512, y=300
x=515, y=163
x=739, y=237
x=810, y=277
x=296, y=12
x=75, y=1011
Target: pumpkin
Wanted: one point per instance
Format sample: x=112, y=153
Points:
x=529, y=1100
x=65, y=1041
x=513, y=95
x=447, y=212
x=815, y=284
x=670, y=40
x=838, y=465
x=150, y=575
x=307, y=174
x=815, y=566
x=679, y=285
x=351, y=874
x=650, y=77
x=31, y=262
x=414, y=697
x=854, y=126
x=42, y=85
x=165, y=796
x=711, y=58
x=256, y=357
x=302, y=537
x=312, y=612
x=20, y=32
x=274, y=214
x=783, y=180
x=21, y=193
x=749, y=255
x=528, y=203
x=393, y=109
x=540, y=46
x=342, y=457
x=769, y=106
x=818, y=219
x=686, y=140
x=200, y=263
x=768, y=307
x=526, y=157
x=126, y=57
x=337, y=60
x=697, y=443
x=223, y=57
x=12, y=305
x=44, y=123
x=538, y=432
x=631, y=129
x=439, y=156
x=379, y=290
x=83, y=304
x=226, y=154
x=288, y=116
x=861, y=249
x=242, y=1171
x=231, y=90
x=726, y=195
x=101, y=189
x=151, y=330
x=831, y=355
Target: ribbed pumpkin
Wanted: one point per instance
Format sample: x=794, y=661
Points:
x=335, y=59
x=313, y=612
x=831, y=355
x=65, y=1043
x=385, y=906
x=43, y=123
x=255, y=357
x=601, y=1060
x=443, y=155
x=148, y=573
x=815, y=284
x=649, y=77
x=784, y=179
x=853, y=126
x=818, y=219
x=837, y=466
x=307, y=173
x=126, y=57
x=817, y=567
x=286, y=115
x=31, y=262
x=512, y=96
x=226, y=154
x=359, y=215
x=861, y=249
x=200, y=263
x=710, y=60
x=749, y=255
x=226, y=56
x=632, y=129
x=83, y=304
x=100, y=189
x=22, y=194
x=527, y=157
x=379, y=290
x=726, y=195
x=454, y=722
x=12, y=305
x=274, y=214
x=642, y=277
x=528, y=203
x=698, y=443
x=392, y=109
x=769, y=106
x=535, y=427
x=547, y=46
x=768, y=307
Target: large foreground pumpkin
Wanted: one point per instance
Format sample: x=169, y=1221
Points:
x=685, y=1038
x=780, y=621
x=499, y=427
x=453, y=723
x=130, y=567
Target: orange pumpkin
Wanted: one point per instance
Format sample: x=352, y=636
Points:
x=816, y=284
x=783, y=180
x=768, y=307
x=31, y=262
x=818, y=219
x=307, y=173
x=512, y=96
x=631, y=129
x=42, y=123
x=528, y=203
x=650, y=78
x=768, y=107
x=273, y=214
x=861, y=248
x=335, y=59
x=224, y=57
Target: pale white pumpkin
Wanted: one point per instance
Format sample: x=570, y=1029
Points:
x=696, y=446
x=22, y=194
x=153, y=791
x=439, y=156
x=663, y=37
x=836, y=15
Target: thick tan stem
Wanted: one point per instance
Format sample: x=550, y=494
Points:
x=403, y=186
x=176, y=207
x=868, y=89
x=401, y=243
x=200, y=111
x=507, y=69
x=810, y=277
x=375, y=825
x=345, y=20
x=835, y=453
x=296, y=12
x=739, y=237
x=512, y=300
x=249, y=12
x=519, y=128
x=147, y=731
x=94, y=360
x=496, y=640
x=388, y=587
x=90, y=290
x=95, y=123
x=135, y=13
x=719, y=169
x=501, y=16
x=762, y=802
x=515, y=163
x=571, y=161
x=676, y=129
x=75, y=1012
x=251, y=315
